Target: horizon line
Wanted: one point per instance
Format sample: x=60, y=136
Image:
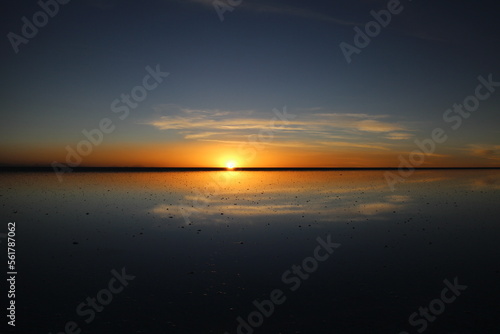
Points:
x=187, y=169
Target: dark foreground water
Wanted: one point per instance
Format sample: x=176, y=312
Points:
x=262, y=252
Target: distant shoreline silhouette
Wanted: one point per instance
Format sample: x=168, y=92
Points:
x=210, y=169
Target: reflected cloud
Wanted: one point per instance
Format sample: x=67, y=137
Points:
x=398, y=198
x=487, y=182
x=313, y=196
x=372, y=209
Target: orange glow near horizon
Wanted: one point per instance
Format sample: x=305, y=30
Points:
x=195, y=154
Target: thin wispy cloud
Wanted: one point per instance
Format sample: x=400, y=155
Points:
x=202, y=135
x=489, y=152
x=306, y=130
x=399, y=136
x=354, y=145
x=279, y=9
x=282, y=144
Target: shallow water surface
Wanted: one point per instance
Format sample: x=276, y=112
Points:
x=205, y=248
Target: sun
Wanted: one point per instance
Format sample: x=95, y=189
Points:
x=230, y=164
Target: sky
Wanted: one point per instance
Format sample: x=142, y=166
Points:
x=201, y=83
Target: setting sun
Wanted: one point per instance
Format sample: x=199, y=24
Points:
x=230, y=164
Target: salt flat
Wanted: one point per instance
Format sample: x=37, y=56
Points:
x=205, y=247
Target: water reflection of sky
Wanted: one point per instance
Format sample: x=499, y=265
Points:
x=321, y=196
x=397, y=247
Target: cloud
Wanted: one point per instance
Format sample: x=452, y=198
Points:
x=307, y=130
x=361, y=123
x=261, y=7
x=202, y=135
x=372, y=125
x=490, y=152
x=356, y=145
x=398, y=136
x=293, y=144
x=352, y=115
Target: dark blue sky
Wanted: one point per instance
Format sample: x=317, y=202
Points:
x=264, y=55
